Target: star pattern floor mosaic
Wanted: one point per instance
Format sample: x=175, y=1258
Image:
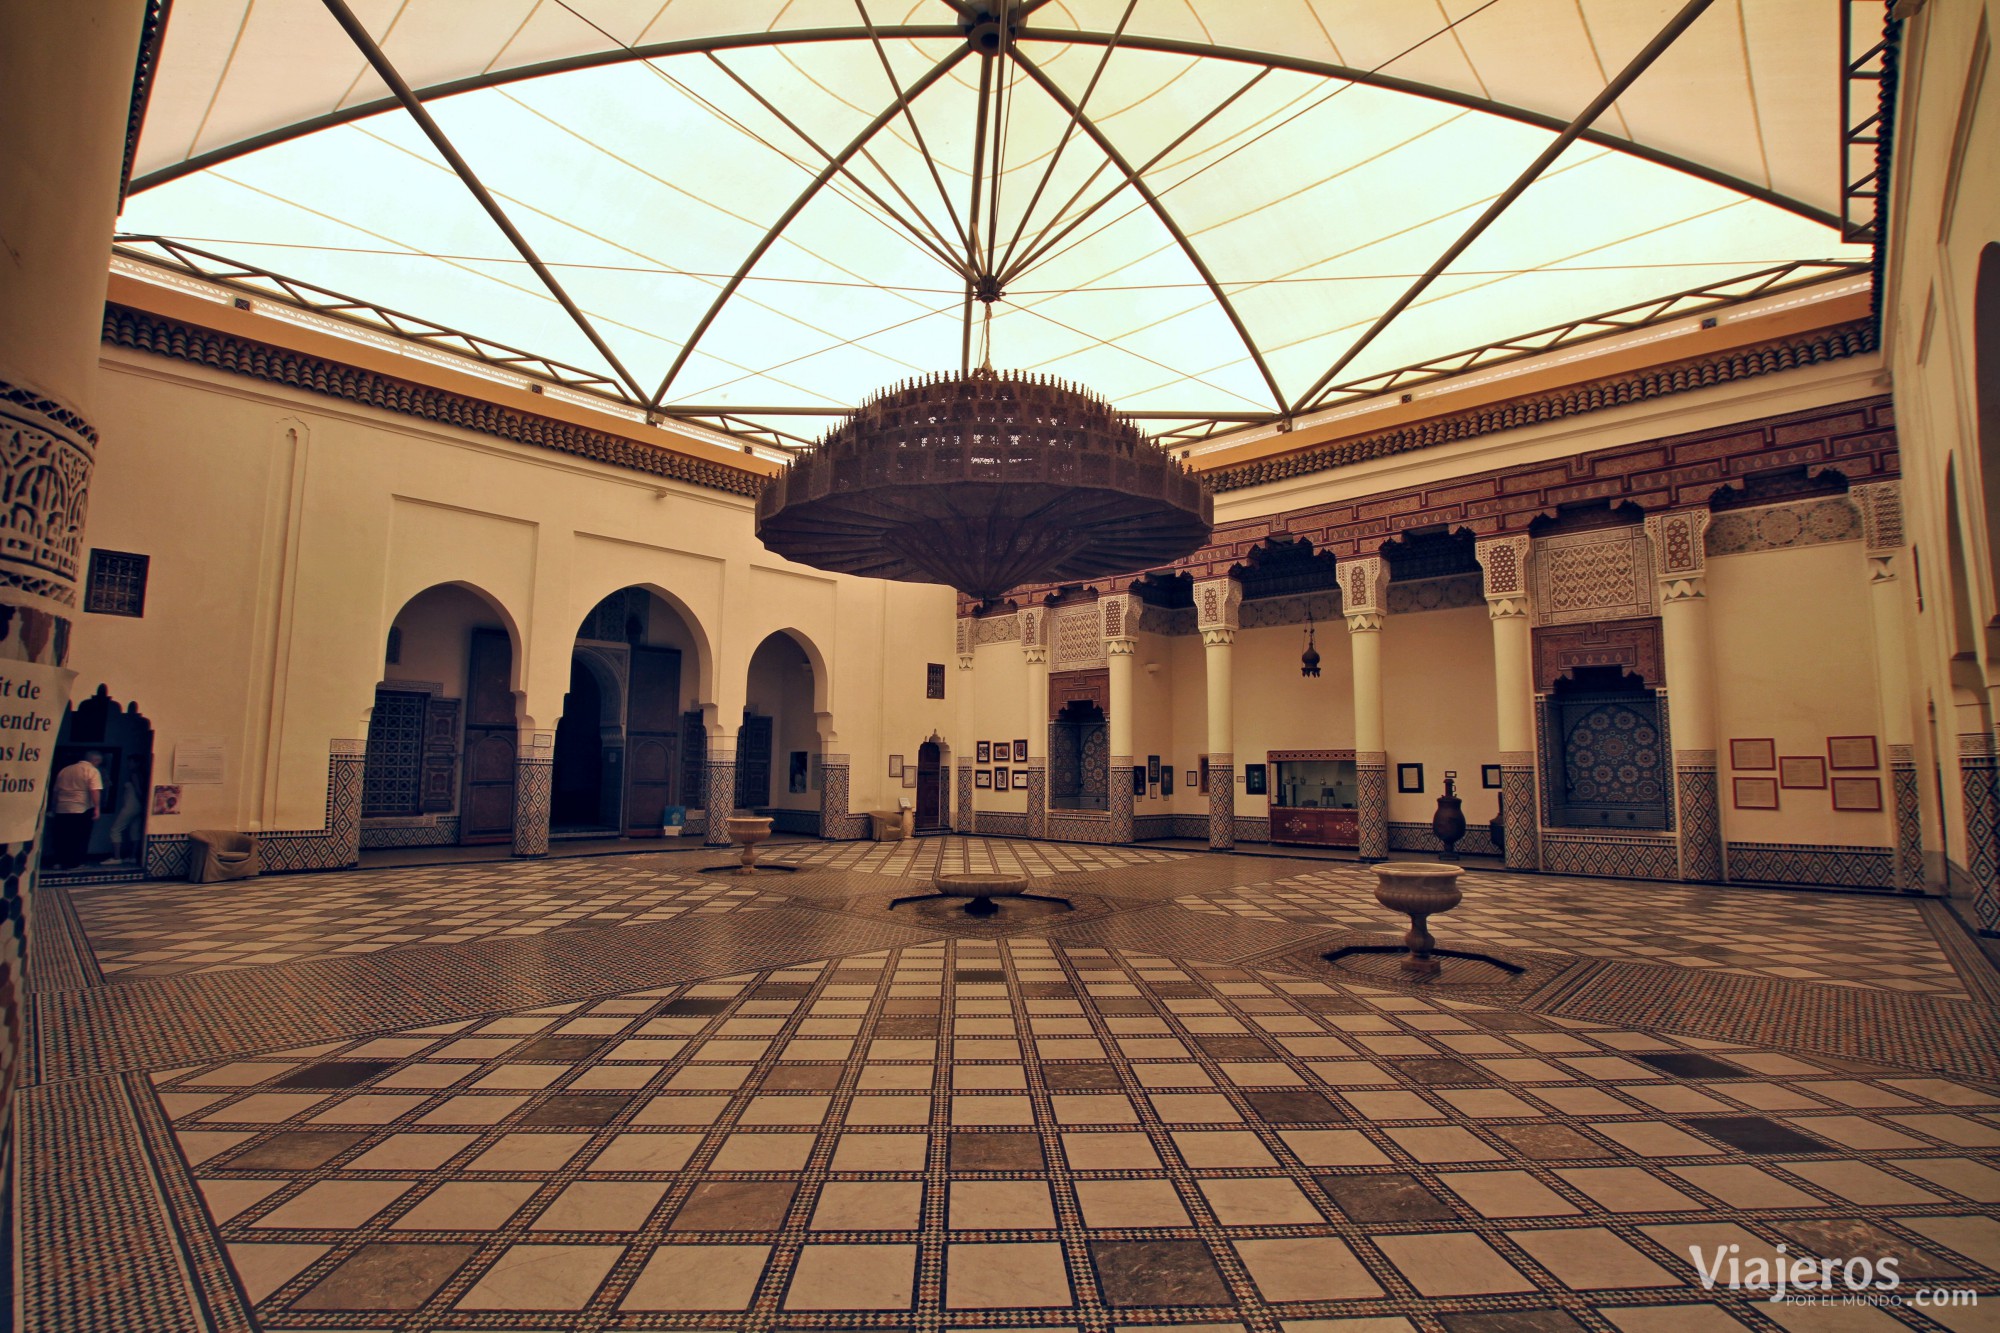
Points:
x=1848, y=940
x=925, y=857
x=1047, y=1129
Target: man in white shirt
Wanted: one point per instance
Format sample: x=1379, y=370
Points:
x=75, y=799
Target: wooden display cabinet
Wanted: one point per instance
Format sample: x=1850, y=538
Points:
x=1313, y=798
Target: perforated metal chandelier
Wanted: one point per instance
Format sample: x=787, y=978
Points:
x=984, y=482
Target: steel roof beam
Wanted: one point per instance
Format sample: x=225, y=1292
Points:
x=1599, y=104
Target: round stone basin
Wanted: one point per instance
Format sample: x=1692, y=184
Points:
x=981, y=887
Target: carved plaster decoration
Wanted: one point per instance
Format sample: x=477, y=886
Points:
x=1634, y=645
x=1831, y=518
x=1076, y=642
x=996, y=629
x=1505, y=563
x=1034, y=624
x=1605, y=574
x=1440, y=594
x=1362, y=582
x=966, y=630
x=46, y=456
x=1218, y=604
x=1117, y=618
x=1881, y=506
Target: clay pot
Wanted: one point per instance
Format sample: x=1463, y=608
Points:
x=1420, y=889
x=746, y=831
x=1448, y=823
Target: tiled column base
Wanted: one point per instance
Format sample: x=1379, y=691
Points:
x=1517, y=789
x=1038, y=799
x=833, y=795
x=964, y=821
x=1372, y=803
x=1700, y=818
x=721, y=797
x=1909, y=820
x=1221, y=801
x=534, y=789
x=1981, y=783
x=1119, y=798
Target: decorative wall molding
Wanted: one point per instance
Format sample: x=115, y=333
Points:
x=1806, y=349
x=996, y=629
x=1445, y=594
x=1780, y=527
x=1881, y=506
x=146, y=332
x=1606, y=574
x=1806, y=863
x=1634, y=645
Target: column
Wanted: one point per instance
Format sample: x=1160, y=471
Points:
x=1218, y=604
x=1680, y=560
x=67, y=70
x=1035, y=648
x=1505, y=562
x=534, y=789
x=836, y=821
x=721, y=783
x=1364, y=601
x=1881, y=506
x=1114, y=620
x=965, y=820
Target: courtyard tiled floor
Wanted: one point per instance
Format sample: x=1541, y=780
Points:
x=781, y=1111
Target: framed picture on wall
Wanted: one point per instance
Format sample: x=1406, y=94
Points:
x=895, y=766
x=1138, y=779
x=1020, y=779
x=1152, y=768
x=1489, y=776
x=910, y=776
x=1804, y=771
x=985, y=752
x=1000, y=779
x=982, y=777
x=1253, y=780
x=1001, y=749
x=1851, y=752
x=1167, y=780
x=1754, y=753
x=1193, y=778
x=1857, y=793
x=1409, y=777
x=1755, y=793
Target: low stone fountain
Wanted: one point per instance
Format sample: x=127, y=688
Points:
x=979, y=889
x=1421, y=889
x=746, y=831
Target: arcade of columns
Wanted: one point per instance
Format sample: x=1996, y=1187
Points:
x=1676, y=539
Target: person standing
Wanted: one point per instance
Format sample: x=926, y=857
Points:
x=75, y=800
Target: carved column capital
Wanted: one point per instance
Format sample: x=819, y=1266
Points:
x=1218, y=637
x=1881, y=567
x=1115, y=617
x=1504, y=561
x=1364, y=587
x=965, y=661
x=1035, y=655
x=1365, y=622
x=1683, y=588
x=1120, y=647
x=1680, y=546
x=1218, y=604
x=1512, y=607
x=1881, y=506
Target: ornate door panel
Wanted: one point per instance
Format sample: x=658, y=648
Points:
x=753, y=763
x=652, y=738
x=488, y=813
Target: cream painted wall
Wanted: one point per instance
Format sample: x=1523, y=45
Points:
x=1153, y=718
x=1277, y=708
x=1439, y=709
x=287, y=530
x=1000, y=705
x=1794, y=653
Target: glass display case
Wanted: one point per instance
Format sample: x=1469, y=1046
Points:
x=1313, y=798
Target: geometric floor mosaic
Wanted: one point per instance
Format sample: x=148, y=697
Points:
x=154, y=930
x=1833, y=939
x=926, y=857
x=1047, y=1129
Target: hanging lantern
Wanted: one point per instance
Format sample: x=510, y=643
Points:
x=1309, y=659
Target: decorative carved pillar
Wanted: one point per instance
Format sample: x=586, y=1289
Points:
x=1218, y=606
x=964, y=820
x=1035, y=648
x=534, y=790
x=721, y=786
x=1114, y=623
x=1881, y=506
x=1364, y=600
x=1505, y=561
x=1680, y=561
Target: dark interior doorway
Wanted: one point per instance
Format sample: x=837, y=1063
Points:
x=930, y=796
x=577, y=801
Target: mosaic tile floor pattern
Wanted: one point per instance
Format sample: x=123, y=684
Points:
x=165, y=930
x=1834, y=939
x=1060, y=1129
x=926, y=857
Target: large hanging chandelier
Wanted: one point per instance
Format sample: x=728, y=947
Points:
x=985, y=481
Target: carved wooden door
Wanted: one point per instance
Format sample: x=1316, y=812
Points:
x=487, y=814
x=652, y=738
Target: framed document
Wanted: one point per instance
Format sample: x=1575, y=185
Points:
x=1409, y=777
x=1021, y=750
x=1489, y=776
x=1254, y=780
x=1152, y=768
x=1754, y=754
x=1755, y=793
x=999, y=779
x=1138, y=779
x=1167, y=779
x=1193, y=778
x=1857, y=793
x=1020, y=779
x=895, y=766
x=985, y=755
x=910, y=775
x=1805, y=771
x=1851, y=752
x=982, y=777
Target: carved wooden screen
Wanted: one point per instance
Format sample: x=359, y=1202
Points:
x=753, y=763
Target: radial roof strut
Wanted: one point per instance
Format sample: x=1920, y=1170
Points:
x=1638, y=65
x=414, y=105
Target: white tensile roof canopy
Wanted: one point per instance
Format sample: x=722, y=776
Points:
x=762, y=212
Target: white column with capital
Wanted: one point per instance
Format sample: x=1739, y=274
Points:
x=964, y=819
x=1114, y=621
x=1504, y=561
x=1218, y=607
x=1680, y=561
x=1890, y=605
x=1364, y=601
x=1035, y=649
